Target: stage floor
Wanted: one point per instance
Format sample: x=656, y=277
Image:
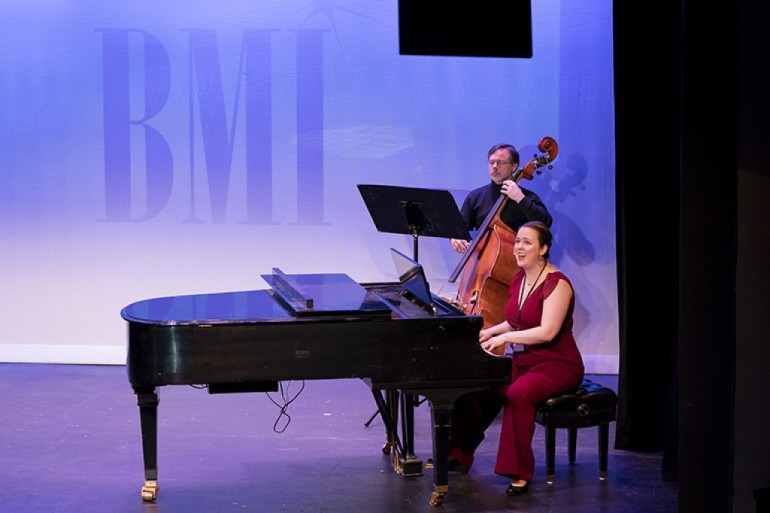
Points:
x=71, y=442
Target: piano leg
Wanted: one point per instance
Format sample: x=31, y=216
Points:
x=148, y=400
x=441, y=405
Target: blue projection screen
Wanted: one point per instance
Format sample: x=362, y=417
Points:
x=165, y=148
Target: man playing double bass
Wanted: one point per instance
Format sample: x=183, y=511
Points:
x=524, y=205
x=474, y=412
x=496, y=211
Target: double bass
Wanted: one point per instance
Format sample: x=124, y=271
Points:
x=488, y=265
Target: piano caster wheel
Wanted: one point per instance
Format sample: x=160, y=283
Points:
x=386, y=448
x=150, y=491
x=436, y=498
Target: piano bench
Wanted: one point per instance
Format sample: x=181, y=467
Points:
x=589, y=405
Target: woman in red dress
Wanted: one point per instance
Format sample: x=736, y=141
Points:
x=537, y=334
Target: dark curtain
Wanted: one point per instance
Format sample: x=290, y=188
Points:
x=647, y=109
x=676, y=125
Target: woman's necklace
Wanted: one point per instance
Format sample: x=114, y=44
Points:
x=522, y=298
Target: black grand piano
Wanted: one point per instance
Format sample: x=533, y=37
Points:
x=397, y=337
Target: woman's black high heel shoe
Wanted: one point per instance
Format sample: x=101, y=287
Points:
x=514, y=491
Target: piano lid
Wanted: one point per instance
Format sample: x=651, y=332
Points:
x=204, y=309
x=325, y=294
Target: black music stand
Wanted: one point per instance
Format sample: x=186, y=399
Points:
x=415, y=212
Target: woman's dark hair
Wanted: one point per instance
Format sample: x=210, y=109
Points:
x=544, y=235
x=512, y=151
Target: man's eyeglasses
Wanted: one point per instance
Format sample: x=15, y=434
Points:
x=500, y=163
